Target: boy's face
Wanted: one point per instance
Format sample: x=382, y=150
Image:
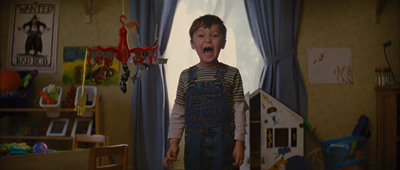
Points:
x=208, y=43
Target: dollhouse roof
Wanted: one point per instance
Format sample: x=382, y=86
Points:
x=273, y=107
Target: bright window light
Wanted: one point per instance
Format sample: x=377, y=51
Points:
x=240, y=50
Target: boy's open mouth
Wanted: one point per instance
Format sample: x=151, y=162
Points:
x=208, y=51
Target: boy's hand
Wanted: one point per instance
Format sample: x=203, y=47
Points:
x=172, y=153
x=238, y=153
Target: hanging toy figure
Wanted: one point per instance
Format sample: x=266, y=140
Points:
x=123, y=48
x=124, y=78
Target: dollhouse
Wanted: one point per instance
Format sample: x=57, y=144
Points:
x=274, y=133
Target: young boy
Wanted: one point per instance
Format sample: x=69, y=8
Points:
x=209, y=105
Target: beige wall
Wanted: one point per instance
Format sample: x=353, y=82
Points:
x=334, y=109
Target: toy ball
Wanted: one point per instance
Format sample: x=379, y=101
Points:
x=10, y=80
x=40, y=147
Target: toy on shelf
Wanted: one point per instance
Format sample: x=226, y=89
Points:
x=90, y=93
x=51, y=98
x=10, y=82
x=10, y=149
x=51, y=94
x=27, y=79
x=31, y=130
x=16, y=87
x=40, y=147
x=70, y=99
x=26, y=82
x=46, y=98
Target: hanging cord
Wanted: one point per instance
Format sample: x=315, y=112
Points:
x=387, y=44
x=123, y=7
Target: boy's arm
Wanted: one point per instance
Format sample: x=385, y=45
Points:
x=240, y=123
x=177, y=123
x=175, y=130
x=238, y=153
x=172, y=153
x=240, y=120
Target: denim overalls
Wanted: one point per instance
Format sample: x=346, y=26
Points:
x=209, y=119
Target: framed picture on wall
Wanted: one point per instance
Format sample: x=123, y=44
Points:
x=33, y=35
x=57, y=127
x=82, y=126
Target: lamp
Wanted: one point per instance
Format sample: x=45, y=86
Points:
x=387, y=44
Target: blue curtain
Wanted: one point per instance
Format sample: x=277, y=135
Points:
x=150, y=111
x=274, y=25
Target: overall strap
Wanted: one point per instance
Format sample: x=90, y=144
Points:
x=192, y=73
x=222, y=69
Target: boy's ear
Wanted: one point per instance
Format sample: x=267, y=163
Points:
x=223, y=44
x=191, y=44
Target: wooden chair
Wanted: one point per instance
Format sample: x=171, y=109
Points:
x=97, y=140
x=108, y=151
x=89, y=141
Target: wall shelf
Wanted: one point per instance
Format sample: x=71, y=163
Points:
x=38, y=110
x=43, y=110
x=37, y=137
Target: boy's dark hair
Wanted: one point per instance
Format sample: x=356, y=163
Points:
x=207, y=21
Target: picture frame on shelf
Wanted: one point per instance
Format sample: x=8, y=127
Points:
x=82, y=126
x=57, y=127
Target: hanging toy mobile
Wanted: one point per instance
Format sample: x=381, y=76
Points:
x=143, y=57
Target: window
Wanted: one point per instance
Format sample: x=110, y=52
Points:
x=281, y=137
x=240, y=50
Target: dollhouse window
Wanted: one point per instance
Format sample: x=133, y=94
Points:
x=281, y=137
x=240, y=50
x=293, y=137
